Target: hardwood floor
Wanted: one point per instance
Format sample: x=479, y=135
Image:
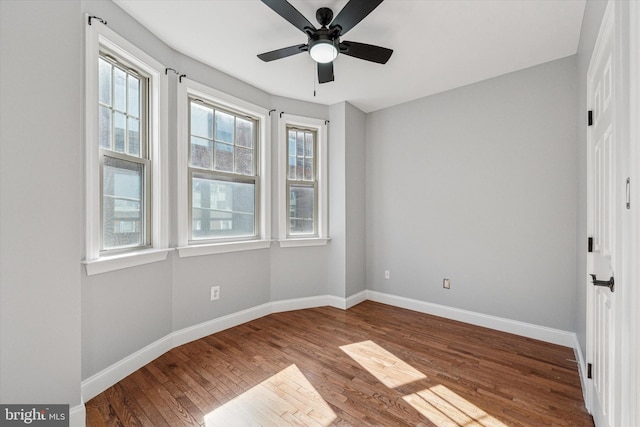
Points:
x=373, y=364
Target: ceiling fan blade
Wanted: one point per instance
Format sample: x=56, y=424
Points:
x=368, y=52
x=325, y=72
x=352, y=13
x=290, y=13
x=282, y=53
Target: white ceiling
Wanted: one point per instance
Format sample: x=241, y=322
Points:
x=438, y=44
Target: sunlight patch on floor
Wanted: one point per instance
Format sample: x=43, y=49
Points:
x=447, y=409
x=387, y=368
x=287, y=398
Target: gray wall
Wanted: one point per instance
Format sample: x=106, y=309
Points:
x=347, y=136
x=355, y=154
x=593, y=15
x=337, y=200
x=478, y=185
x=40, y=209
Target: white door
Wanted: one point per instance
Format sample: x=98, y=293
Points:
x=601, y=218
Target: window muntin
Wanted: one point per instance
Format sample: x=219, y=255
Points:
x=123, y=151
x=302, y=199
x=223, y=178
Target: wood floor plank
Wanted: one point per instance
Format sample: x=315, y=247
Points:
x=373, y=364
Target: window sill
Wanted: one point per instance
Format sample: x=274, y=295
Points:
x=119, y=262
x=221, y=248
x=310, y=241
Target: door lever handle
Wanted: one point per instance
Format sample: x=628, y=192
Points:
x=607, y=283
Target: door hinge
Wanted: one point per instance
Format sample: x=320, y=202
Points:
x=590, y=118
x=628, y=193
x=589, y=368
x=590, y=245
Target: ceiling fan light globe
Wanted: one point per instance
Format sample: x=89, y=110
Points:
x=323, y=52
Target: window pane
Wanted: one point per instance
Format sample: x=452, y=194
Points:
x=244, y=133
x=224, y=157
x=292, y=167
x=104, y=127
x=222, y=209
x=301, y=208
x=292, y=143
x=308, y=169
x=201, y=153
x=201, y=121
x=308, y=145
x=299, y=168
x=224, y=127
x=134, y=136
x=244, y=161
x=300, y=144
x=119, y=90
x=134, y=96
x=122, y=205
x=104, y=82
x=119, y=129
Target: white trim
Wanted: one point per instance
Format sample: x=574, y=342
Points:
x=109, y=376
x=634, y=277
x=78, y=416
x=529, y=330
x=320, y=127
x=190, y=88
x=582, y=367
x=354, y=299
x=96, y=384
x=125, y=260
x=202, y=330
x=99, y=36
x=221, y=248
x=300, y=303
x=297, y=243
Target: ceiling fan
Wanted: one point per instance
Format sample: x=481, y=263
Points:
x=324, y=43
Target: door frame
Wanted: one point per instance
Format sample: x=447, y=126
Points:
x=632, y=403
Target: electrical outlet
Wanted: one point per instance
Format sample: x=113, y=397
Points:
x=446, y=283
x=387, y=274
x=215, y=293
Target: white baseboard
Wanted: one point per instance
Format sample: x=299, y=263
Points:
x=301, y=303
x=109, y=376
x=542, y=333
x=582, y=371
x=96, y=384
x=78, y=416
x=356, y=299
x=201, y=330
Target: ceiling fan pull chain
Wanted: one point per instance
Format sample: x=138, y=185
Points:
x=314, y=81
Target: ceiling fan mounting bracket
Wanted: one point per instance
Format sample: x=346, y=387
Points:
x=324, y=15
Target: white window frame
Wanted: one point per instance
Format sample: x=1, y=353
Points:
x=187, y=90
x=320, y=128
x=99, y=37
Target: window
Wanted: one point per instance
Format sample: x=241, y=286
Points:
x=222, y=173
x=223, y=185
x=303, y=187
x=122, y=138
x=126, y=154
